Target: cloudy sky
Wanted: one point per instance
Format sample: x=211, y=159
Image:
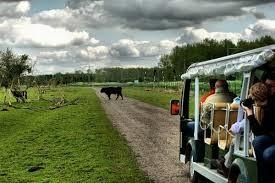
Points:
x=68, y=35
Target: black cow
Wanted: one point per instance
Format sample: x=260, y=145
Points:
x=112, y=90
x=21, y=96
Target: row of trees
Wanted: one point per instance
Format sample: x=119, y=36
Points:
x=58, y=78
x=171, y=66
x=100, y=75
x=182, y=57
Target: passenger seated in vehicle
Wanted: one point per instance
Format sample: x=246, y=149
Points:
x=189, y=130
x=262, y=93
x=211, y=92
x=224, y=163
x=222, y=94
x=235, y=129
x=263, y=127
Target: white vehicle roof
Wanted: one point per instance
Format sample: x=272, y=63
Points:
x=240, y=62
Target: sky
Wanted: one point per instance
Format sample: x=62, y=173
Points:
x=69, y=35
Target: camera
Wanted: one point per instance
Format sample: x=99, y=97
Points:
x=247, y=102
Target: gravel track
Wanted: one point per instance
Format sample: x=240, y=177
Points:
x=152, y=133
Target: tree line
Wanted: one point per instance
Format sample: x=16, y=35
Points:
x=170, y=66
x=181, y=57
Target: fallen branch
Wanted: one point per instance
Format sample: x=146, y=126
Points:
x=58, y=104
x=62, y=103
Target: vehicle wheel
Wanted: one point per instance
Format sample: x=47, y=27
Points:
x=236, y=179
x=195, y=178
x=239, y=179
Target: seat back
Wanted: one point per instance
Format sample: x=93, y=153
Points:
x=232, y=114
x=225, y=138
x=218, y=117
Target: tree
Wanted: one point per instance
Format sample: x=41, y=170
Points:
x=12, y=67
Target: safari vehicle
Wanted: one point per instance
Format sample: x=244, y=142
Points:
x=249, y=67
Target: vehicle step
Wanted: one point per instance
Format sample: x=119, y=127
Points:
x=210, y=174
x=182, y=158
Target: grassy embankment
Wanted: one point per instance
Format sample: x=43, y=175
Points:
x=75, y=143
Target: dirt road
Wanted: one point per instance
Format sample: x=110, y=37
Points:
x=152, y=134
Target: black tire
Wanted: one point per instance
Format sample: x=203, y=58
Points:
x=239, y=179
x=195, y=178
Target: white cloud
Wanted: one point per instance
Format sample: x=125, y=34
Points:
x=67, y=57
x=167, y=45
x=94, y=53
x=55, y=17
x=94, y=41
x=130, y=48
x=61, y=37
x=14, y=9
x=21, y=32
x=260, y=28
x=191, y=35
x=23, y=7
x=54, y=55
x=91, y=15
x=124, y=53
x=145, y=14
x=70, y=60
x=125, y=48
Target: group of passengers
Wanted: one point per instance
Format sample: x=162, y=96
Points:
x=262, y=94
x=218, y=89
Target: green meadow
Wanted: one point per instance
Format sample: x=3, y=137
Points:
x=161, y=96
x=156, y=96
x=74, y=143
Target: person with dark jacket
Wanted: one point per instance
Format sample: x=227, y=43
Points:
x=262, y=123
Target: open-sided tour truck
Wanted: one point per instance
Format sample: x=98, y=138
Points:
x=247, y=68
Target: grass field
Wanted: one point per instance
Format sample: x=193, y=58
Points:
x=75, y=143
x=156, y=96
x=161, y=96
